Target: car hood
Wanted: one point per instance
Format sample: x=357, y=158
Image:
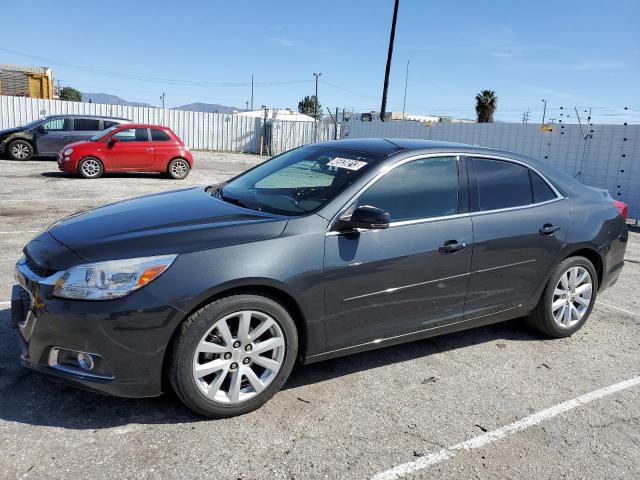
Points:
x=77, y=144
x=172, y=222
x=9, y=131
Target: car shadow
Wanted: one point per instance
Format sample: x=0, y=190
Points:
x=31, y=398
x=106, y=175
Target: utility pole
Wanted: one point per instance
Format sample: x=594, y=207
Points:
x=162, y=98
x=58, y=87
x=544, y=111
x=317, y=110
x=406, y=81
x=525, y=117
x=247, y=109
x=252, y=93
x=392, y=36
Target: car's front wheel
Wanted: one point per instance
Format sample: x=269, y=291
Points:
x=90, y=167
x=568, y=298
x=20, y=150
x=233, y=355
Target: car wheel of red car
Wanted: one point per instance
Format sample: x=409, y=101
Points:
x=90, y=167
x=178, y=168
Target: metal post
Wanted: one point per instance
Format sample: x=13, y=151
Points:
x=252, y=93
x=316, y=112
x=544, y=111
x=406, y=81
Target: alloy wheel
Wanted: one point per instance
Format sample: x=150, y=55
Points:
x=20, y=151
x=90, y=167
x=572, y=297
x=239, y=357
x=179, y=168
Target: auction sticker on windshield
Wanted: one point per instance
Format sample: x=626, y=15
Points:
x=347, y=163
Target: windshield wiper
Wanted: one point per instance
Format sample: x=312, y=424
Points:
x=236, y=201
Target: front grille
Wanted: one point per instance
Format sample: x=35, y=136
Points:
x=38, y=269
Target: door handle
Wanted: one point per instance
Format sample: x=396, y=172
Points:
x=452, y=246
x=548, y=229
x=149, y=149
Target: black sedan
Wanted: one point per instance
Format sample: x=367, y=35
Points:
x=322, y=251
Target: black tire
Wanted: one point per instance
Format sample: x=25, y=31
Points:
x=90, y=167
x=542, y=317
x=178, y=169
x=191, y=332
x=20, y=150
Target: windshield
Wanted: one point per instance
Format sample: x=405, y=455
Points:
x=297, y=182
x=34, y=123
x=98, y=136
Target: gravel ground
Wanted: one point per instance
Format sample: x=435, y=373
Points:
x=346, y=418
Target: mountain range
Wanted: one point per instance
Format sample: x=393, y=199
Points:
x=109, y=99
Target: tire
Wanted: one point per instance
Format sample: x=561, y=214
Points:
x=178, y=169
x=20, y=150
x=204, y=330
x=558, y=323
x=90, y=167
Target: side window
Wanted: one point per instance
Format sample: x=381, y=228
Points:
x=159, y=136
x=109, y=124
x=133, y=135
x=502, y=184
x=86, y=124
x=419, y=189
x=56, y=125
x=541, y=190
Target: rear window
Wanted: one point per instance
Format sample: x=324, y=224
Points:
x=86, y=124
x=159, y=135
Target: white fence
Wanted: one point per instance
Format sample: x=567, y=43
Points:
x=198, y=130
x=608, y=158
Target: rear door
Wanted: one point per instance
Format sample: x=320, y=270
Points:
x=52, y=135
x=85, y=128
x=385, y=283
x=133, y=151
x=519, y=224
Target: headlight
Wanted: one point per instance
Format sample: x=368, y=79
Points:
x=68, y=151
x=111, y=279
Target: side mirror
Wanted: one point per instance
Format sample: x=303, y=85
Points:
x=41, y=129
x=113, y=140
x=367, y=217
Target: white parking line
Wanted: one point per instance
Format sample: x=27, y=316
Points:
x=618, y=308
x=2, y=304
x=494, y=435
x=9, y=232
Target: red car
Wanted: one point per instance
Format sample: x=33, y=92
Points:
x=128, y=147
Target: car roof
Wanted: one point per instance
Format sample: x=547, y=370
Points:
x=75, y=115
x=146, y=125
x=389, y=146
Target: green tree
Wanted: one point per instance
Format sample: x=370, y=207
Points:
x=486, y=104
x=70, y=94
x=309, y=106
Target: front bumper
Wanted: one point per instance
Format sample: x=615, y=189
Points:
x=129, y=335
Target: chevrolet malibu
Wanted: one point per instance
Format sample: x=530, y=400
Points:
x=128, y=148
x=323, y=251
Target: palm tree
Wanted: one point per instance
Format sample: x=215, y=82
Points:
x=486, y=104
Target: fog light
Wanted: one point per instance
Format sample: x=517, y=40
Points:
x=66, y=159
x=85, y=361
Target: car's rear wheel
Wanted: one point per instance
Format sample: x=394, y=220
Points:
x=20, y=150
x=568, y=298
x=90, y=167
x=178, y=168
x=233, y=355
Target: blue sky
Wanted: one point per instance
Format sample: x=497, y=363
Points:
x=572, y=53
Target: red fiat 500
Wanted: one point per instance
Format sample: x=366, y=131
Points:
x=128, y=148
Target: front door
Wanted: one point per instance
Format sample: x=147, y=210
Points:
x=519, y=226
x=52, y=136
x=410, y=277
x=132, y=151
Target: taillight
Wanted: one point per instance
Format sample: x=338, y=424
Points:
x=623, y=208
